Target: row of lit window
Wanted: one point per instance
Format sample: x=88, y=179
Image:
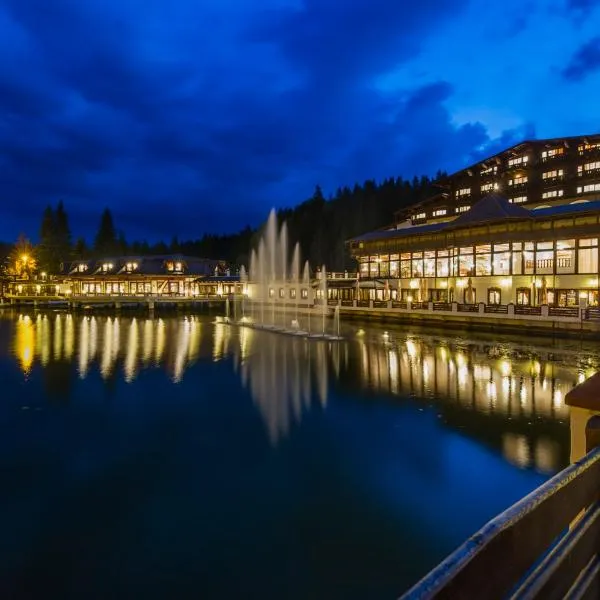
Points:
x=292, y=293
x=553, y=194
x=592, y=187
x=518, y=180
x=525, y=258
x=553, y=174
x=593, y=166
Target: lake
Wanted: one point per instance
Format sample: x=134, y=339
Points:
x=176, y=456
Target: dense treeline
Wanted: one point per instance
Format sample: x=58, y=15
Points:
x=320, y=225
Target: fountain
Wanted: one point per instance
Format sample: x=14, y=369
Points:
x=270, y=281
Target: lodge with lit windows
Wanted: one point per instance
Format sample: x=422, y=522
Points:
x=519, y=228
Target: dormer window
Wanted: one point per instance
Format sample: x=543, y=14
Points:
x=178, y=267
x=81, y=268
x=107, y=267
x=131, y=266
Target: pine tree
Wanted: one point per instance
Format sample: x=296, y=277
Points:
x=105, y=242
x=47, y=249
x=80, y=250
x=63, y=233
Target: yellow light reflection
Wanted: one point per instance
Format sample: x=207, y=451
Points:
x=25, y=343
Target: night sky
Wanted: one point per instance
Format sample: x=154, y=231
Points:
x=187, y=116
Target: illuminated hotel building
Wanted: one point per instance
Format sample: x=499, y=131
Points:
x=520, y=227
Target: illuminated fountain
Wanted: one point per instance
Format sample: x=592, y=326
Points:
x=280, y=298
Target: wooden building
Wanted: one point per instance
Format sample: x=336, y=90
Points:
x=497, y=252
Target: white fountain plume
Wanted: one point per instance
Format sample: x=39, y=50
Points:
x=295, y=273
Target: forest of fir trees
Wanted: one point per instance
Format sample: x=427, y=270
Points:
x=320, y=225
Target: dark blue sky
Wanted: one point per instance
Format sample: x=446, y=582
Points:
x=190, y=116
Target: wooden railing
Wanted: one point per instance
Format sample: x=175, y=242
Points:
x=442, y=306
x=567, y=311
x=545, y=546
x=496, y=308
x=468, y=308
x=527, y=310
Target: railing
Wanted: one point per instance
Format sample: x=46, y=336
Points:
x=496, y=308
x=570, y=311
x=419, y=305
x=347, y=303
x=380, y=304
x=362, y=303
x=528, y=310
x=468, y=308
x=442, y=306
x=543, y=547
x=399, y=304
x=332, y=302
x=592, y=314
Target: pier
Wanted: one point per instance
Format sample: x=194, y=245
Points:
x=114, y=301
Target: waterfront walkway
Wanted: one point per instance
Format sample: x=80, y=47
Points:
x=536, y=319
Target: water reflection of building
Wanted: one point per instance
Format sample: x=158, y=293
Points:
x=497, y=384
x=107, y=342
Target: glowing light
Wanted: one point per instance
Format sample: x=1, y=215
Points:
x=443, y=284
x=505, y=282
x=505, y=368
x=414, y=284
x=581, y=377
x=461, y=283
x=538, y=284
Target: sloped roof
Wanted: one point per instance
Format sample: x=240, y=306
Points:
x=492, y=207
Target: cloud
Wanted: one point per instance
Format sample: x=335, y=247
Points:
x=584, y=62
x=185, y=118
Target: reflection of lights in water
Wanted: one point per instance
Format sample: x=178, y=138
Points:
x=523, y=395
x=516, y=449
x=24, y=343
x=557, y=399
x=181, y=349
x=505, y=368
x=360, y=332
x=46, y=339
x=443, y=353
x=547, y=454
x=107, y=349
x=506, y=386
x=536, y=368
x=131, y=353
x=219, y=340
x=393, y=362
x=482, y=373
x=460, y=359
x=194, y=339
x=84, y=345
x=160, y=341
x=69, y=337
x=492, y=392
x=411, y=349
x=57, y=337
x=463, y=374
x=148, y=341
x=425, y=373
x=93, y=337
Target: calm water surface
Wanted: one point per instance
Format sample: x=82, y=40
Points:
x=178, y=457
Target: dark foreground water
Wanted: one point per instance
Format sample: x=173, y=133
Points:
x=175, y=457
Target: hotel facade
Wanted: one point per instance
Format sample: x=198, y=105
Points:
x=521, y=228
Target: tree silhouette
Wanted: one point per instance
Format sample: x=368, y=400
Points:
x=105, y=242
